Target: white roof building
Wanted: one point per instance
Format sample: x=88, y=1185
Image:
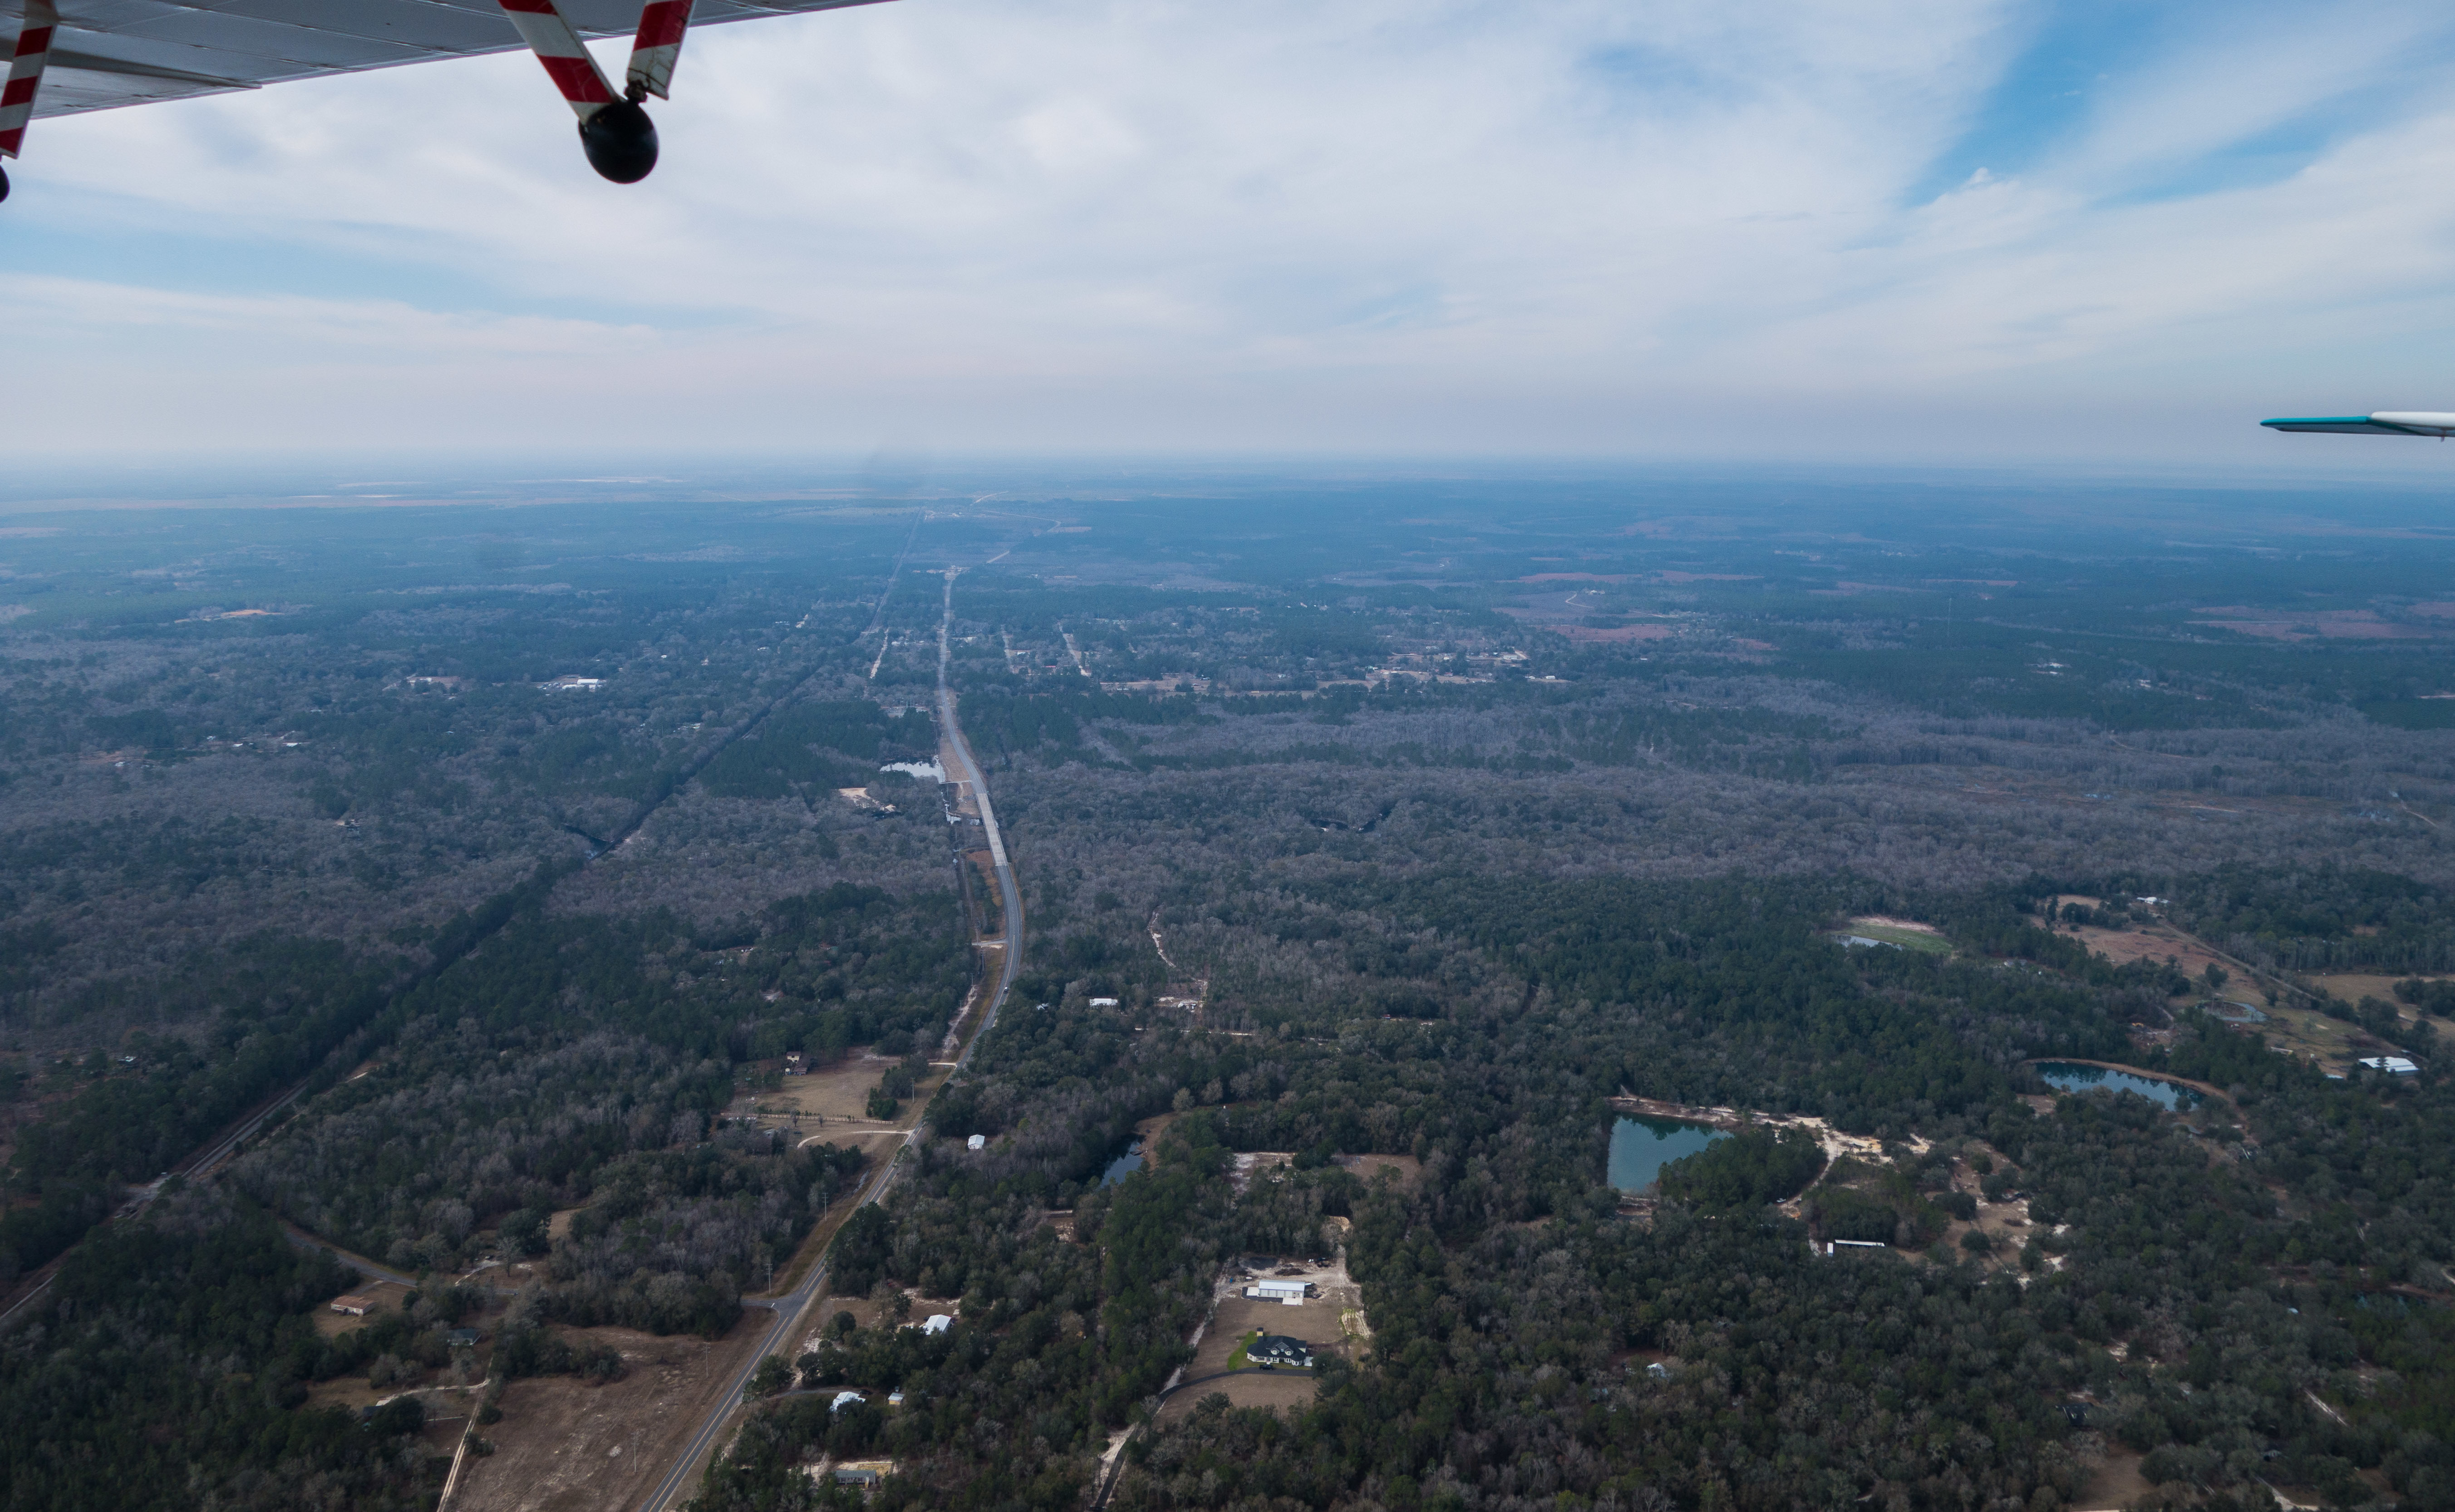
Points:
x=2392, y=1066
x=978, y=1141
x=843, y=1397
x=937, y=1323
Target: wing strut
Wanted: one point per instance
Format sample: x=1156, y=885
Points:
x=617, y=134
x=26, y=62
x=658, y=47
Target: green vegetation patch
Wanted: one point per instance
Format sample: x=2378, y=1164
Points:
x=1749, y=1171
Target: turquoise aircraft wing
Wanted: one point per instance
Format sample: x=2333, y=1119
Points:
x=2385, y=422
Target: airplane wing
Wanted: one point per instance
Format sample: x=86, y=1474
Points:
x=69, y=56
x=113, y=52
x=2385, y=422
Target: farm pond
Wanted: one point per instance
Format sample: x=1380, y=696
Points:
x=1640, y=1147
x=2065, y=1077
x=1123, y=1165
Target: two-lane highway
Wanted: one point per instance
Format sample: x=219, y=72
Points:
x=670, y=1489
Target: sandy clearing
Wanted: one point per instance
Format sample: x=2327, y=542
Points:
x=1835, y=1142
x=565, y=1447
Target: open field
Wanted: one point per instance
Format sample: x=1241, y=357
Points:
x=837, y=1094
x=2156, y=941
x=2312, y=1036
x=1405, y=1169
x=1901, y=932
x=565, y=1447
x=1333, y=1322
x=2351, y=987
x=1251, y=1388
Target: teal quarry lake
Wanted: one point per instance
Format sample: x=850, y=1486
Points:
x=1640, y=1147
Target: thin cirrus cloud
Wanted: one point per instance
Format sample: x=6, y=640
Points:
x=1897, y=229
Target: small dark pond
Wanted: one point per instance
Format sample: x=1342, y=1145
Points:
x=1639, y=1147
x=1123, y=1165
x=2065, y=1077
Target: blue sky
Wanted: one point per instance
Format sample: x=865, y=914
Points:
x=1885, y=231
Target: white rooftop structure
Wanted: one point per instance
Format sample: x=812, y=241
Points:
x=843, y=1397
x=978, y=1141
x=1104, y=1002
x=2392, y=1066
x=1277, y=1291
x=937, y=1323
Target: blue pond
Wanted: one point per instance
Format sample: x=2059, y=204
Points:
x=1639, y=1147
x=1123, y=1165
x=2063, y=1076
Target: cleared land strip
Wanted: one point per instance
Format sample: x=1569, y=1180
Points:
x=790, y=1308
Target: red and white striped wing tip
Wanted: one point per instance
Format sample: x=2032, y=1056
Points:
x=26, y=62
x=658, y=46
x=566, y=58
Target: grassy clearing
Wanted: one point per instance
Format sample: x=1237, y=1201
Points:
x=1237, y=1361
x=1908, y=937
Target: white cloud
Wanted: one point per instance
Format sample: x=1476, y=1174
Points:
x=1368, y=227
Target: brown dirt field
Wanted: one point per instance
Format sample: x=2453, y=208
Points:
x=2157, y=942
x=823, y=1099
x=1254, y=1389
x=866, y=1314
x=558, y=1226
x=386, y=1294
x=2116, y=1483
x=1368, y=1168
x=1316, y=1322
x=566, y=1447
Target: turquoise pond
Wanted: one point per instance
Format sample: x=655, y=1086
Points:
x=1639, y=1147
x=2065, y=1077
x=1123, y=1165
